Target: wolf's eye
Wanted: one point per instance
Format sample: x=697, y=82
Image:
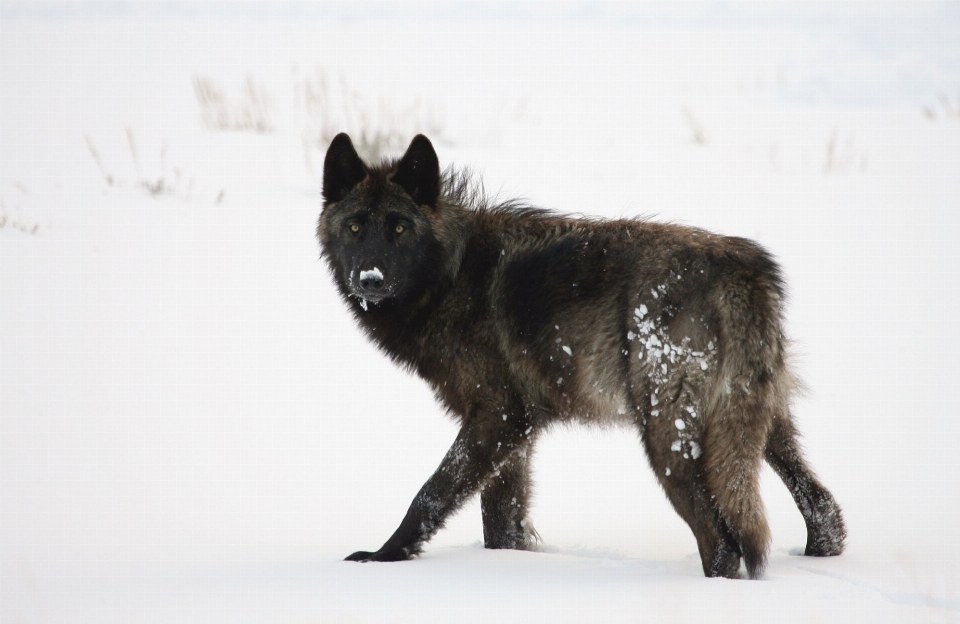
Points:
x=398, y=229
x=354, y=228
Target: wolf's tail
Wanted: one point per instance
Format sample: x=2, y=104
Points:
x=754, y=385
x=732, y=459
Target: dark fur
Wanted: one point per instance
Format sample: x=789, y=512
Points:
x=520, y=318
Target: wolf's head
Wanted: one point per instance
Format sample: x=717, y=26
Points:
x=382, y=230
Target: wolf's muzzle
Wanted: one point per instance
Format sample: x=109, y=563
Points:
x=371, y=284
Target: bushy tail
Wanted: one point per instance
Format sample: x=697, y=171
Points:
x=754, y=385
x=733, y=453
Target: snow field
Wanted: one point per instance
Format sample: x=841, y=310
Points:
x=186, y=433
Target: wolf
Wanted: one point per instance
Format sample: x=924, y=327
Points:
x=520, y=318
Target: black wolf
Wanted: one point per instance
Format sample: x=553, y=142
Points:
x=519, y=319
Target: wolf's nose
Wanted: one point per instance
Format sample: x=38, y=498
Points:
x=371, y=280
x=371, y=283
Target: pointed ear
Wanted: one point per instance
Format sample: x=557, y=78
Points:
x=418, y=172
x=342, y=169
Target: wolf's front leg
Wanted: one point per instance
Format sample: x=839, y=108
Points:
x=503, y=505
x=483, y=447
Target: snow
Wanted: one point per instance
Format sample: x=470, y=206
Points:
x=373, y=273
x=186, y=432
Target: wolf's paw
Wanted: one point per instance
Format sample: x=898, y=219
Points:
x=380, y=555
x=827, y=533
x=829, y=545
x=724, y=562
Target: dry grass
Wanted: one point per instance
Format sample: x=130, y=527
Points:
x=945, y=108
x=251, y=113
x=842, y=155
x=379, y=126
x=170, y=181
x=697, y=134
x=11, y=217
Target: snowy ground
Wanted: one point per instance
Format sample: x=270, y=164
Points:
x=191, y=429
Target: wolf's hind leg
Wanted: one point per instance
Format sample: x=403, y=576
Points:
x=503, y=504
x=826, y=531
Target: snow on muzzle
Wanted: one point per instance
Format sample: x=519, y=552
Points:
x=370, y=285
x=372, y=280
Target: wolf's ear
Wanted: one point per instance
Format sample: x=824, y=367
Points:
x=418, y=172
x=342, y=169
